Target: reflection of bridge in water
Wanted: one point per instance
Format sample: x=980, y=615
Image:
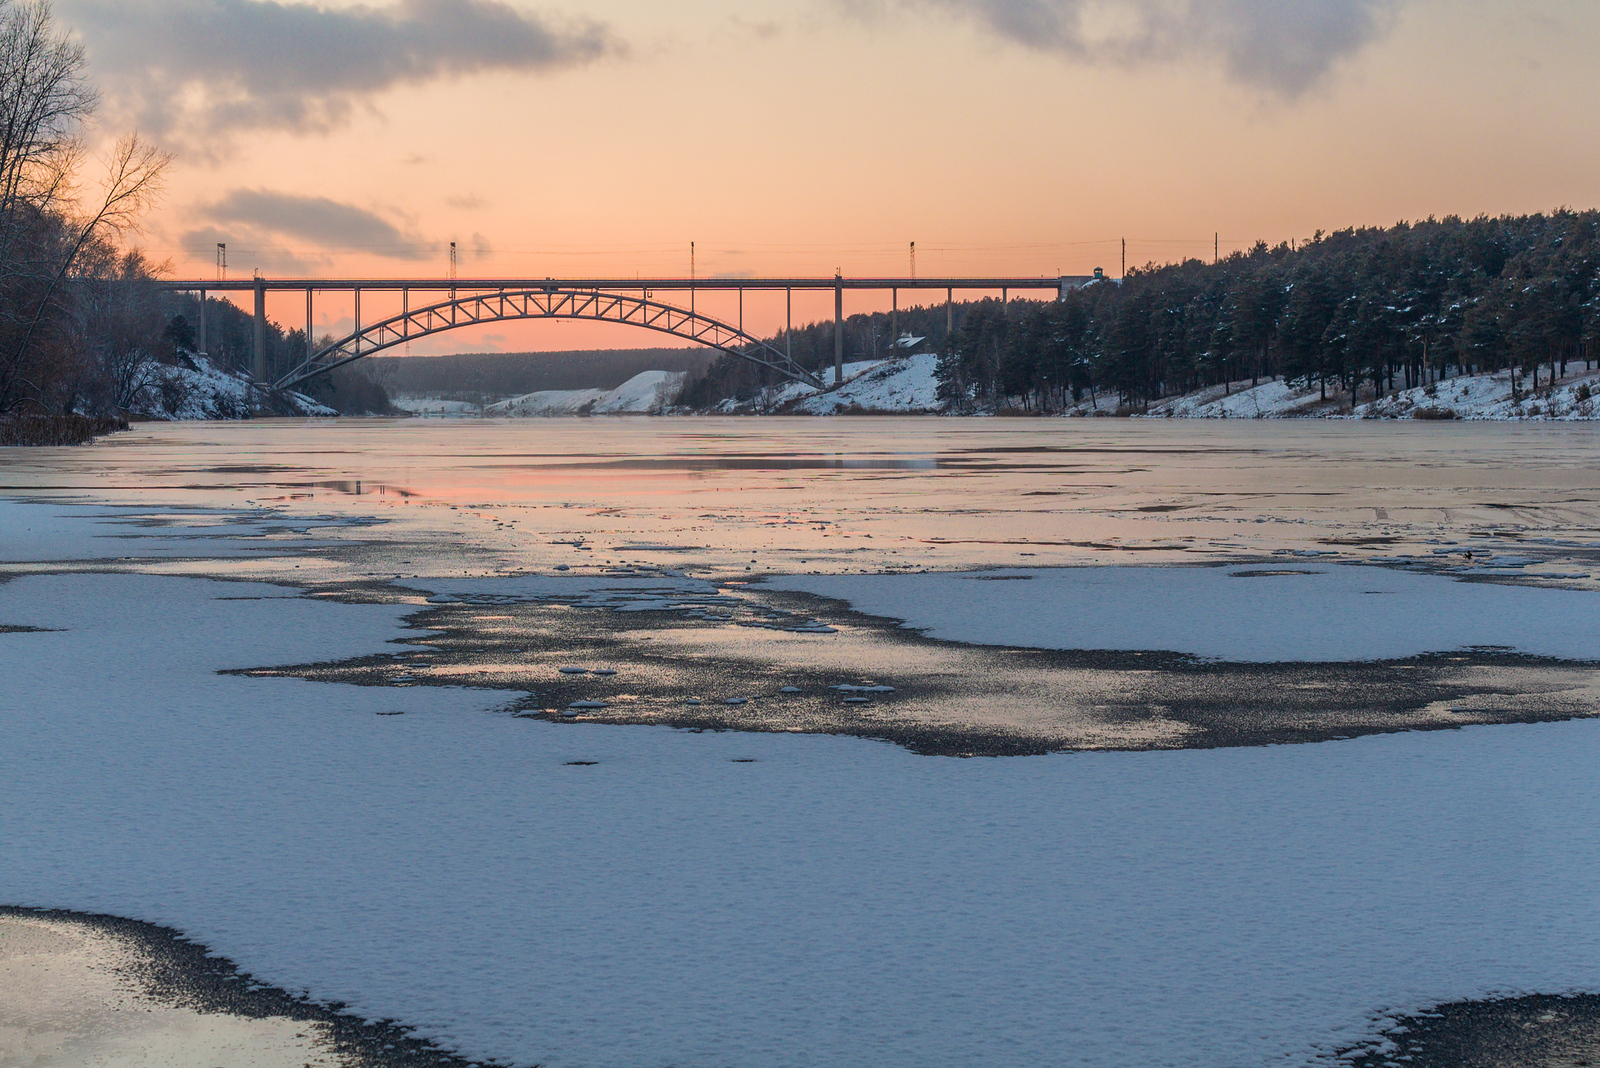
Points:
x=471, y=302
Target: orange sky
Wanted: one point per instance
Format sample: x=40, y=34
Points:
x=1003, y=136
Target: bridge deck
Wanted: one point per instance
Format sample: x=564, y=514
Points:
x=965, y=282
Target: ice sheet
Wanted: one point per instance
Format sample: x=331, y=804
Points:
x=834, y=902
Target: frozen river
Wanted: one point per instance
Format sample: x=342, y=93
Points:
x=296, y=691
x=852, y=494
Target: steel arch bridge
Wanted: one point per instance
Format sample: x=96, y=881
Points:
x=546, y=303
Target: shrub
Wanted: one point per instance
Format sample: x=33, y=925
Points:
x=57, y=429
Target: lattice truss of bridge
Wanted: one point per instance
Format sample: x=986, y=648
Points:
x=546, y=303
x=632, y=303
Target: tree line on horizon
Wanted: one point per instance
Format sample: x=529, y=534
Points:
x=1355, y=312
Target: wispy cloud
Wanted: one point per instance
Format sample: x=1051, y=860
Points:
x=201, y=70
x=260, y=218
x=1283, y=46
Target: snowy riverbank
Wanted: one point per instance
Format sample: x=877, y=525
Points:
x=908, y=385
x=199, y=389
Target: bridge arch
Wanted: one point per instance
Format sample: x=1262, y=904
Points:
x=553, y=302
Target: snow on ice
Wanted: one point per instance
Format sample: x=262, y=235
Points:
x=719, y=898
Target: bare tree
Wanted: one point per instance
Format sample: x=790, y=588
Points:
x=46, y=231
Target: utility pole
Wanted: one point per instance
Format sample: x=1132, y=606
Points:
x=913, y=261
x=691, y=278
x=1124, y=273
x=1216, y=247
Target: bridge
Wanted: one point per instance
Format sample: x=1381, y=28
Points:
x=458, y=303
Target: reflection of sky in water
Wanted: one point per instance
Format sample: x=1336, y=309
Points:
x=804, y=494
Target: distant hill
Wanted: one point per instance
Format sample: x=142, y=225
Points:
x=481, y=375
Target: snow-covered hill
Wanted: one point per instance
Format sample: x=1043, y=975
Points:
x=903, y=384
x=646, y=393
x=203, y=390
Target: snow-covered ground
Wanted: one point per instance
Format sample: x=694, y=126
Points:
x=908, y=385
x=900, y=385
x=436, y=407
x=211, y=392
x=646, y=393
x=1274, y=399
x=778, y=398
x=547, y=402
x=1490, y=397
x=1487, y=396
x=709, y=899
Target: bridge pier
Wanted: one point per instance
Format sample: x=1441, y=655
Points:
x=202, y=339
x=258, y=340
x=838, y=329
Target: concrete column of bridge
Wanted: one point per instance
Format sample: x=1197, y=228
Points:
x=894, y=320
x=838, y=328
x=949, y=316
x=258, y=347
x=311, y=344
x=203, y=346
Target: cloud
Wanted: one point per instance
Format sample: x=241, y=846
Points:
x=760, y=30
x=201, y=70
x=261, y=219
x=1283, y=46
